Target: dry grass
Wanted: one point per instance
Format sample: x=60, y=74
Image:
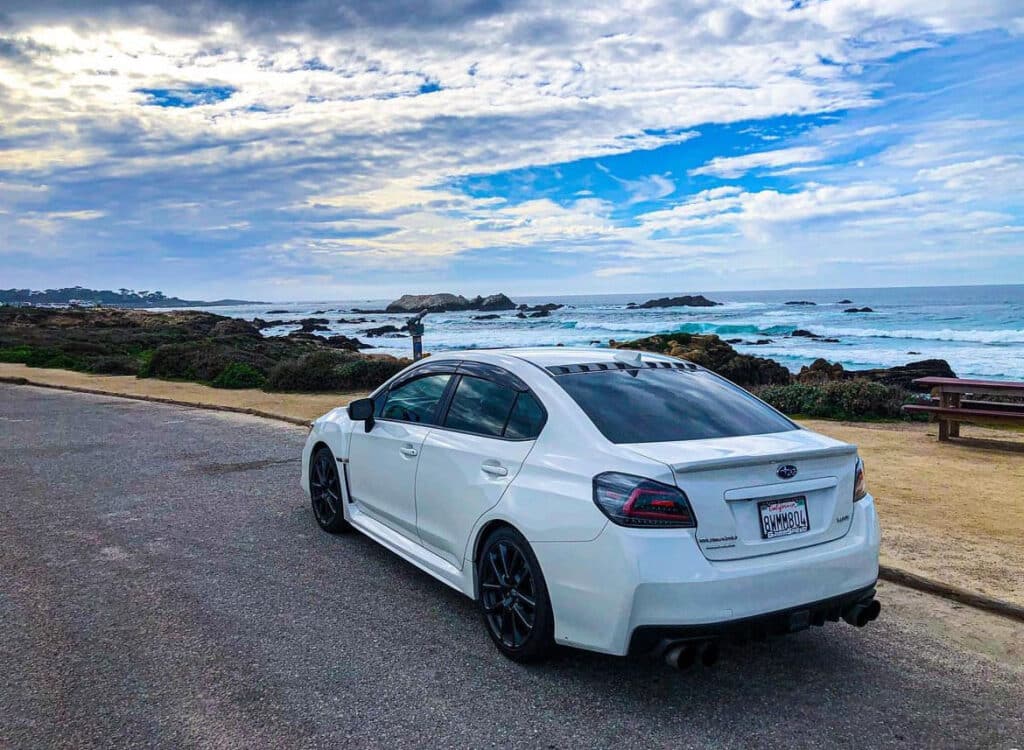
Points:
x=953, y=512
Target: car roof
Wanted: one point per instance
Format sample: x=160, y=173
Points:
x=547, y=356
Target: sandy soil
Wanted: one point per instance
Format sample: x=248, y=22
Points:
x=953, y=512
x=296, y=405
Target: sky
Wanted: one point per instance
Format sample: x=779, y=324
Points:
x=332, y=149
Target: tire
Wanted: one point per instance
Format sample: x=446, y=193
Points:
x=513, y=597
x=325, y=492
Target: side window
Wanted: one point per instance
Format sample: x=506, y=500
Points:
x=480, y=406
x=527, y=418
x=415, y=400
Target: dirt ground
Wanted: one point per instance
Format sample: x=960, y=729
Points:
x=953, y=512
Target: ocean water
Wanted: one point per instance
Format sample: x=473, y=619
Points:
x=979, y=330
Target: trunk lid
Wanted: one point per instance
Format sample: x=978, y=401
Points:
x=726, y=480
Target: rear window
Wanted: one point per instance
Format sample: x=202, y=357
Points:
x=487, y=408
x=661, y=405
x=526, y=420
x=480, y=406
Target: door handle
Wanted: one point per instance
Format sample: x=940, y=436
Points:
x=410, y=452
x=494, y=470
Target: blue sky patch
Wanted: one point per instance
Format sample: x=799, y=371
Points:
x=187, y=96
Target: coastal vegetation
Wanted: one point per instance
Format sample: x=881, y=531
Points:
x=231, y=353
x=184, y=345
x=78, y=295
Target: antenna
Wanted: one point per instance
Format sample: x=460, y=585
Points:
x=628, y=358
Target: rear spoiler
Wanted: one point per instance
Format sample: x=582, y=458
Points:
x=710, y=464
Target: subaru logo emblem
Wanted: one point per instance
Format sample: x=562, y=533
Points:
x=786, y=472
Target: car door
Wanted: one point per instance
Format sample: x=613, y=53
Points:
x=467, y=463
x=383, y=460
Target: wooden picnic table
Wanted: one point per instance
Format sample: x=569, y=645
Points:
x=950, y=407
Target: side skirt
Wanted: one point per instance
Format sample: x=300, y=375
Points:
x=410, y=551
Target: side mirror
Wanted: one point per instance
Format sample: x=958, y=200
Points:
x=361, y=410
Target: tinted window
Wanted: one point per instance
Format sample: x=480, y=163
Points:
x=527, y=418
x=648, y=405
x=415, y=400
x=480, y=406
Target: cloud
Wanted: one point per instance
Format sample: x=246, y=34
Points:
x=737, y=166
x=325, y=139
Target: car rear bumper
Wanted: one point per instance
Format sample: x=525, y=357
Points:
x=647, y=638
x=638, y=580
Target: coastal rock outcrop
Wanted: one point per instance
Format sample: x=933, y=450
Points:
x=687, y=300
x=801, y=302
x=712, y=352
x=435, y=303
x=234, y=327
x=820, y=371
x=903, y=376
x=900, y=376
x=858, y=310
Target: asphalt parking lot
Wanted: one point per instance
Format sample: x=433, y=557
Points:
x=163, y=583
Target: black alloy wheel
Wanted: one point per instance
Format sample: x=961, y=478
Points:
x=514, y=598
x=325, y=492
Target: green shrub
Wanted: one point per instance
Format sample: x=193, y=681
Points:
x=839, y=399
x=18, y=354
x=367, y=374
x=114, y=365
x=53, y=358
x=331, y=371
x=200, y=360
x=145, y=362
x=239, y=375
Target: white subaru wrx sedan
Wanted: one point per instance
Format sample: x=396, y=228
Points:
x=604, y=499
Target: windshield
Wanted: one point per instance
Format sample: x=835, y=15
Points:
x=661, y=405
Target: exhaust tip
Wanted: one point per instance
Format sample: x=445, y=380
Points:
x=862, y=613
x=873, y=610
x=680, y=656
x=709, y=653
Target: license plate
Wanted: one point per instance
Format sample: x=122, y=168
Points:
x=783, y=517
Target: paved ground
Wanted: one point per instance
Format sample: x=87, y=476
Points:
x=162, y=583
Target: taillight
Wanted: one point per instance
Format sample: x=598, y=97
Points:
x=634, y=501
x=860, y=488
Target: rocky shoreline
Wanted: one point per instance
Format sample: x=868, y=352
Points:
x=231, y=352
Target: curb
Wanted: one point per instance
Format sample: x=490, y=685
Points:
x=161, y=400
x=885, y=572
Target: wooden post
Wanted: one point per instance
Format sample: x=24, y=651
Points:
x=954, y=427
x=943, y=422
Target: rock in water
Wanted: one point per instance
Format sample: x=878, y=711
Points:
x=686, y=300
x=435, y=303
x=382, y=331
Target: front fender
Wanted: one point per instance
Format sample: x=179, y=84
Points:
x=334, y=430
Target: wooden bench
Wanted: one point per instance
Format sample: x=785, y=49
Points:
x=950, y=408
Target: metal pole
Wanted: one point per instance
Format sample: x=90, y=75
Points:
x=415, y=328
